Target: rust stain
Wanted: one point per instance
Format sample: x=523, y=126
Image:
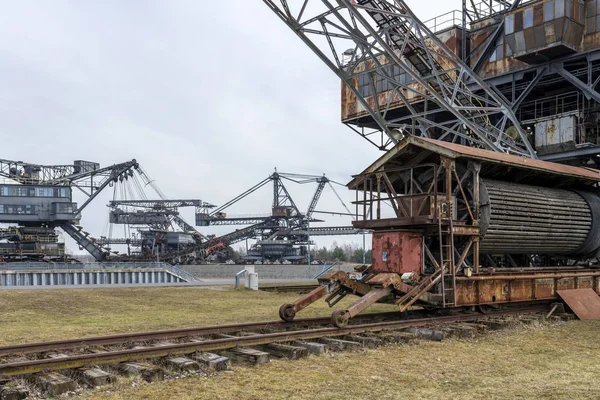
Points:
x=351, y=109
x=397, y=252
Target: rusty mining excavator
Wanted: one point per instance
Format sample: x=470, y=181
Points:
x=463, y=212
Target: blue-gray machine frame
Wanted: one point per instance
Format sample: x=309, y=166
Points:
x=37, y=199
x=511, y=76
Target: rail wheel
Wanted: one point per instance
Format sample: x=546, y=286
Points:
x=337, y=318
x=287, y=312
x=484, y=308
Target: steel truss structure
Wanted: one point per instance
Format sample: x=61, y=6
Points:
x=35, y=237
x=285, y=232
x=571, y=79
x=156, y=214
x=384, y=42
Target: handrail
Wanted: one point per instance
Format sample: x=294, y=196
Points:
x=377, y=188
x=175, y=270
x=325, y=268
x=238, y=276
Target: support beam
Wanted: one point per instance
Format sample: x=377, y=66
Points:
x=540, y=74
x=588, y=91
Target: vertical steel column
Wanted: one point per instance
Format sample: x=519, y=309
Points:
x=378, y=176
x=476, y=167
x=464, y=32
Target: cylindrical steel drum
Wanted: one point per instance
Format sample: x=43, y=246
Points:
x=524, y=219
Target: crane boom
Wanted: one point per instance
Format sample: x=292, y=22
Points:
x=396, y=59
x=79, y=171
x=160, y=203
x=315, y=199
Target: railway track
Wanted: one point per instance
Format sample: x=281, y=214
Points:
x=196, y=347
x=289, y=288
x=129, y=338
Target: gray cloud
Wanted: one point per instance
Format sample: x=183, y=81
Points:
x=208, y=97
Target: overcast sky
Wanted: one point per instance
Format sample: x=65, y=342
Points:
x=209, y=97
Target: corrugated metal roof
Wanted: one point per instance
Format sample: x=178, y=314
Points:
x=511, y=159
x=456, y=151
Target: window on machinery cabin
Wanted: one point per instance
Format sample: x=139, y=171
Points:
x=509, y=24
x=64, y=207
x=17, y=209
x=559, y=8
x=528, y=18
x=498, y=53
x=548, y=11
x=383, y=81
x=364, y=85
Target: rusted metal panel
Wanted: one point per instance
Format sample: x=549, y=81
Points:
x=493, y=292
x=352, y=109
x=538, y=14
x=549, y=33
x=565, y=283
x=392, y=222
x=539, y=34
x=585, y=303
x=585, y=283
x=415, y=203
x=500, y=288
x=553, y=133
x=543, y=288
x=398, y=252
x=480, y=31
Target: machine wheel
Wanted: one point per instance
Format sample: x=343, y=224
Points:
x=287, y=312
x=337, y=320
x=484, y=308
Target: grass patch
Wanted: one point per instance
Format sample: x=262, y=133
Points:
x=527, y=362
x=547, y=362
x=42, y=315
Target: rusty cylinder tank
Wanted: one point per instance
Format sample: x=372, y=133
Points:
x=524, y=219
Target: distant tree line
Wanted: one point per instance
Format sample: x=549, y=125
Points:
x=346, y=252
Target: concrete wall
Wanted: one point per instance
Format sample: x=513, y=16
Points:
x=225, y=271
x=88, y=277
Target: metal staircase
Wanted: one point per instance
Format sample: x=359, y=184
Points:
x=85, y=241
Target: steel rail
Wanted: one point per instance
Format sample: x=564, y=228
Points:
x=81, y=360
x=288, y=288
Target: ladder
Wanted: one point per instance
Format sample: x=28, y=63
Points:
x=446, y=263
x=417, y=291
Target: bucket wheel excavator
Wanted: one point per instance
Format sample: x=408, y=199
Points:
x=472, y=218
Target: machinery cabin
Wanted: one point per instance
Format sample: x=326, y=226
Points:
x=458, y=226
x=541, y=55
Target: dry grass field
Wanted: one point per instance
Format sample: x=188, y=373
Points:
x=549, y=361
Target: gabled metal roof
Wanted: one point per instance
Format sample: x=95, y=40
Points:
x=413, y=147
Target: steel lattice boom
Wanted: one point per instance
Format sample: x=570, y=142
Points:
x=382, y=42
x=167, y=203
